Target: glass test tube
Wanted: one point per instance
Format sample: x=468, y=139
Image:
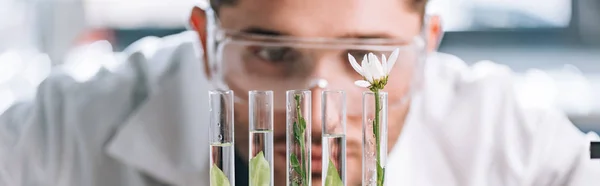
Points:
x=374, y=138
x=261, y=138
x=333, y=109
x=222, y=171
x=298, y=124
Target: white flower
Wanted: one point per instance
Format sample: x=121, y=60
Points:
x=372, y=70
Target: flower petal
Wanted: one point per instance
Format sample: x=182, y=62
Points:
x=392, y=60
x=362, y=83
x=372, y=70
x=376, y=73
x=384, y=63
x=366, y=70
x=355, y=65
x=376, y=67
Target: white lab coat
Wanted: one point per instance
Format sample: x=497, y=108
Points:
x=144, y=123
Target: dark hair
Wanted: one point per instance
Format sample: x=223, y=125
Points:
x=417, y=5
x=216, y=4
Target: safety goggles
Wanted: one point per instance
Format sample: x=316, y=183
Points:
x=243, y=62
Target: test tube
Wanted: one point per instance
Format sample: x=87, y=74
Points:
x=298, y=124
x=221, y=138
x=261, y=138
x=375, y=137
x=333, y=120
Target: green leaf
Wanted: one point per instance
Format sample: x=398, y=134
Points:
x=217, y=177
x=380, y=174
x=297, y=132
x=333, y=178
x=302, y=124
x=260, y=173
x=295, y=164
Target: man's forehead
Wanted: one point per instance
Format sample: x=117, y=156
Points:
x=323, y=18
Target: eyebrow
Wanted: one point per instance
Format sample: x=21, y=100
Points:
x=262, y=31
x=369, y=36
x=267, y=32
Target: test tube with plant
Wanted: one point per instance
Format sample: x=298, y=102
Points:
x=298, y=127
x=375, y=75
x=261, y=138
x=222, y=153
x=333, y=120
x=374, y=138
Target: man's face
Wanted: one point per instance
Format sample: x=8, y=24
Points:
x=331, y=19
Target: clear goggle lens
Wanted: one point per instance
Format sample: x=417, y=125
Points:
x=246, y=62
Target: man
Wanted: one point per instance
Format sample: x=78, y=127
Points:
x=145, y=123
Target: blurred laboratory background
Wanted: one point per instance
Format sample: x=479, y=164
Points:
x=554, y=45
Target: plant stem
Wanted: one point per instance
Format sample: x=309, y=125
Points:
x=301, y=122
x=377, y=140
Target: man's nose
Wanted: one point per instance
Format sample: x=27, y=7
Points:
x=328, y=70
x=316, y=127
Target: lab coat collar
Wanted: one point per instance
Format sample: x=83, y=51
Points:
x=164, y=137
